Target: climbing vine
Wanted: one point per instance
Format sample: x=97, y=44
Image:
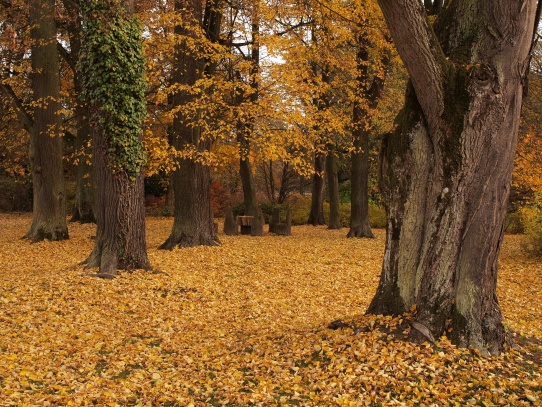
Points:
x=112, y=65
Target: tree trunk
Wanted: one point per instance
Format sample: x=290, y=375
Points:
x=117, y=137
x=271, y=182
x=333, y=188
x=361, y=119
x=85, y=192
x=359, y=178
x=193, y=222
x=46, y=145
x=246, y=124
x=316, y=216
x=445, y=171
x=247, y=177
x=120, y=216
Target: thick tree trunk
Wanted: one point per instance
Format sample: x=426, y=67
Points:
x=120, y=216
x=333, y=189
x=46, y=145
x=445, y=171
x=120, y=213
x=316, y=216
x=193, y=222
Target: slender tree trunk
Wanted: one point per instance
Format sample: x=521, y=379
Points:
x=446, y=169
x=271, y=182
x=246, y=125
x=359, y=204
x=193, y=222
x=285, y=183
x=85, y=192
x=361, y=118
x=120, y=213
x=316, y=216
x=333, y=188
x=247, y=182
x=46, y=145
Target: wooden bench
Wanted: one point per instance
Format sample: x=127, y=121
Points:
x=246, y=223
x=281, y=228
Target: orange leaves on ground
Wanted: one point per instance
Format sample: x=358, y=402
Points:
x=243, y=324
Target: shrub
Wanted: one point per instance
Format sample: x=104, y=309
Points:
x=514, y=223
x=220, y=199
x=532, y=220
x=156, y=184
x=302, y=207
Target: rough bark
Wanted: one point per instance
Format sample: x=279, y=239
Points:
x=316, y=216
x=120, y=213
x=193, y=222
x=333, y=190
x=445, y=170
x=46, y=145
x=120, y=216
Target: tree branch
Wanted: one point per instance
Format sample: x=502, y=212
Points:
x=64, y=53
x=24, y=117
x=420, y=51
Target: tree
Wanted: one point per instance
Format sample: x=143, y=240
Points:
x=446, y=168
x=85, y=193
x=369, y=93
x=193, y=214
x=46, y=145
x=112, y=67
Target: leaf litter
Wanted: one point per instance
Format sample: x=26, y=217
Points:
x=243, y=324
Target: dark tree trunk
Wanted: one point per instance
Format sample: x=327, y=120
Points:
x=445, y=170
x=333, y=190
x=316, y=216
x=361, y=119
x=46, y=145
x=359, y=204
x=246, y=125
x=85, y=192
x=193, y=222
x=120, y=216
x=247, y=177
x=120, y=213
x=271, y=182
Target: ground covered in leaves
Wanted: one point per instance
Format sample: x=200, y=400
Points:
x=244, y=324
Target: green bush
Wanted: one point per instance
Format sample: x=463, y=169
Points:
x=514, y=223
x=302, y=207
x=532, y=221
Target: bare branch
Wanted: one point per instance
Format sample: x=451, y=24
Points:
x=26, y=120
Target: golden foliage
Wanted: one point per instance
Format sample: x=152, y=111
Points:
x=241, y=324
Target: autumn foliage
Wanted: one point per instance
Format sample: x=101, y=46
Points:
x=241, y=325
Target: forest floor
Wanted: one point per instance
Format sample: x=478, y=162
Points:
x=243, y=324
